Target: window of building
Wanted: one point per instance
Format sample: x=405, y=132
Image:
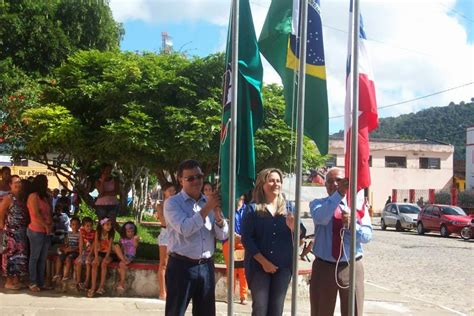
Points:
x=332, y=161
x=370, y=161
x=395, y=162
x=430, y=163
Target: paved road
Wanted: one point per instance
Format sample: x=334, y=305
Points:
x=429, y=267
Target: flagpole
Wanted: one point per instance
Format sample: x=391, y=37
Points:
x=354, y=148
x=303, y=19
x=233, y=154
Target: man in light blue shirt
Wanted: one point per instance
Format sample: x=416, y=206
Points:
x=330, y=216
x=192, y=226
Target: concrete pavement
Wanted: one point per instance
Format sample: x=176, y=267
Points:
x=379, y=301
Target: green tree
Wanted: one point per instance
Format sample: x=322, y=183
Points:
x=18, y=92
x=144, y=113
x=39, y=35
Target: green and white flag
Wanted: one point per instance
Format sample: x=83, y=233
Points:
x=249, y=107
x=278, y=43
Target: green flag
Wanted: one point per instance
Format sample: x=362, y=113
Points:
x=249, y=107
x=279, y=45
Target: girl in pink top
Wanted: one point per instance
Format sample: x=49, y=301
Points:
x=39, y=231
x=126, y=250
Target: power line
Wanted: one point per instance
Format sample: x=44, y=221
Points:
x=376, y=40
x=415, y=99
x=380, y=42
x=457, y=13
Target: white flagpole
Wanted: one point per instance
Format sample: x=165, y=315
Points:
x=299, y=148
x=354, y=148
x=233, y=154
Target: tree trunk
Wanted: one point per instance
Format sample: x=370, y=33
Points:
x=145, y=195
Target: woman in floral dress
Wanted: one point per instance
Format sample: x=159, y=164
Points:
x=15, y=216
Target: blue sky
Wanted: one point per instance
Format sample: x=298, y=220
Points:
x=418, y=47
x=193, y=38
x=465, y=15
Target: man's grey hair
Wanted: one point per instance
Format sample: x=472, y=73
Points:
x=333, y=169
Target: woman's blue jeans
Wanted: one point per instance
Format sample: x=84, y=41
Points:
x=269, y=291
x=39, y=245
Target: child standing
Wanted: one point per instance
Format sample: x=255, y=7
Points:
x=86, y=242
x=168, y=190
x=61, y=224
x=102, y=250
x=69, y=251
x=126, y=250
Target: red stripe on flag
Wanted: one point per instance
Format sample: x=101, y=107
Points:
x=368, y=120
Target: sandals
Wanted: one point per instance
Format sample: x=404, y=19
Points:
x=100, y=291
x=34, y=288
x=80, y=286
x=120, y=288
x=90, y=293
x=243, y=301
x=56, y=278
x=66, y=278
x=14, y=287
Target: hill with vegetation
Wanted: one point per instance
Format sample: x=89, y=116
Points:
x=444, y=124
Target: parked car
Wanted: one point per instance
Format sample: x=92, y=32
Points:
x=446, y=219
x=400, y=215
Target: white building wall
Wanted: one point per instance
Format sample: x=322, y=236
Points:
x=412, y=177
x=470, y=158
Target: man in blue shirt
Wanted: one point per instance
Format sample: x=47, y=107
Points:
x=192, y=227
x=330, y=273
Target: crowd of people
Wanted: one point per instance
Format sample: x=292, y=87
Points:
x=191, y=221
x=36, y=222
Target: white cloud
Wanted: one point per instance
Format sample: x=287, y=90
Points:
x=162, y=11
x=416, y=47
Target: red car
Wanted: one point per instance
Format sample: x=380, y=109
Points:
x=446, y=219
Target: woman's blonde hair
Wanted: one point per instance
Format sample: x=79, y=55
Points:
x=259, y=195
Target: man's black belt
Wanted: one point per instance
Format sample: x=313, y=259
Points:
x=184, y=258
x=341, y=263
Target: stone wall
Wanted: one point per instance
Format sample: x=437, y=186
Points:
x=141, y=281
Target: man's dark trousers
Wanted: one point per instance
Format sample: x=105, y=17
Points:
x=187, y=280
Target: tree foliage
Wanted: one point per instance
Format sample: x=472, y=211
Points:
x=39, y=35
x=158, y=109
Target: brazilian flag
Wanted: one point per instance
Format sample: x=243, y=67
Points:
x=249, y=107
x=278, y=43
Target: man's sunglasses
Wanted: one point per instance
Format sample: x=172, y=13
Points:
x=192, y=178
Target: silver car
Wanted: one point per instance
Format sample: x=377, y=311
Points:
x=400, y=215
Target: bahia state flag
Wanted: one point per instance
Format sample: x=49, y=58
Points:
x=279, y=44
x=249, y=107
x=368, y=116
